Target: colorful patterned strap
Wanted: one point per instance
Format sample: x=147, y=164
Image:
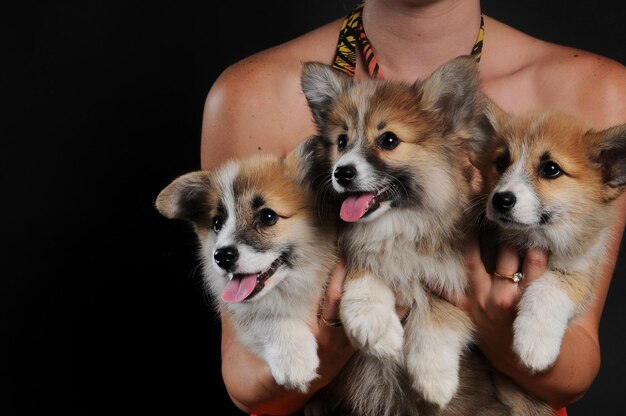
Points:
x=352, y=31
x=345, y=56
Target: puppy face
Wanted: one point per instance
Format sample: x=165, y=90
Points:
x=550, y=170
x=251, y=218
x=394, y=144
x=378, y=130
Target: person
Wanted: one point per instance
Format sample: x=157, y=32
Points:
x=256, y=105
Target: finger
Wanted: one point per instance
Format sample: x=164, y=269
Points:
x=534, y=266
x=479, y=279
x=334, y=289
x=507, y=263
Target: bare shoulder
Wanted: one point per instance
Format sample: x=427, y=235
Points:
x=594, y=86
x=256, y=105
x=271, y=65
x=546, y=75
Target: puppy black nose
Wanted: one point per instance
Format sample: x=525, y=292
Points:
x=504, y=201
x=344, y=174
x=226, y=257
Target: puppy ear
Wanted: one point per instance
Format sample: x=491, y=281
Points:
x=186, y=197
x=486, y=128
x=610, y=154
x=453, y=92
x=322, y=84
x=310, y=162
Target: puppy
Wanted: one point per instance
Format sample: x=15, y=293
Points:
x=399, y=154
x=266, y=254
x=549, y=183
x=396, y=153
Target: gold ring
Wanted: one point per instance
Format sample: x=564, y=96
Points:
x=515, y=277
x=333, y=323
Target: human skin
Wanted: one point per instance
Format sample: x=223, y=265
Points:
x=257, y=106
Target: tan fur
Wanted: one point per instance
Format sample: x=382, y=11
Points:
x=565, y=139
x=578, y=285
x=447, y=316
x=273, y=321
x=566, y=214
x=406, y=244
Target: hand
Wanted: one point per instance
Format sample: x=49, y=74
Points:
x=334, y=348
x=491, y=301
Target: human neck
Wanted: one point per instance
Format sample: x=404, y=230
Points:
x=412, y=38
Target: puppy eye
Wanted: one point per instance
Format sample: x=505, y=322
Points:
x=550, y=170
x=342, y=141
x=502, y=162
x=267, y=217
x=218, y=223
x=388, y=141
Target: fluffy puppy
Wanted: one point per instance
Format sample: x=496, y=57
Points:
x=266, y=253
x=550, y=182
x=395, y=153
x=399, y=154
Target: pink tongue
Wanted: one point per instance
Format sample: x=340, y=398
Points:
x=354, y=207
x=239, y=288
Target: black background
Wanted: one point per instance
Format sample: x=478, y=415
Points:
x=103, y=309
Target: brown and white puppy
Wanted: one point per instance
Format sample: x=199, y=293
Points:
x=399, y=162
x=550, y=182
x=266, y=253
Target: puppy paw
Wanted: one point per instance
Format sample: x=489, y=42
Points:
x=438, y=388
x=369, y=317
x=389, y=345
x=373, y=328
x=295, y=371
x=434, y=370
x=433, y=352
x=536, y=344
x=295, y=377
x=543, y=314
x=292, y=355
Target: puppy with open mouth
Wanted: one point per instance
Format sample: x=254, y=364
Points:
x=266, y=250
x=398, y=157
